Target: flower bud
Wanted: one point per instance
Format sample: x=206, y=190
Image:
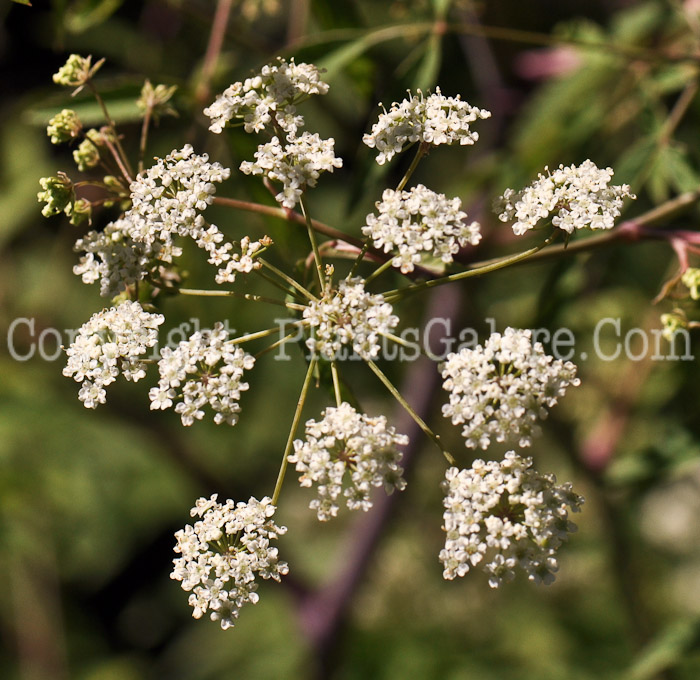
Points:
x=64, y=126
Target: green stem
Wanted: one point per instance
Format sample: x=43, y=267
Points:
x=358, y=260
x=293, y=431
x=422, y=149
x=236, y=294
x=415, y=30
x=405, y=343
x=621, y=233
x=379, y=270
x=336, y=383
x=277, y=284
x=500, y=263
x=288, y=216
x=275, y=345
x=254, y=336
x=419, y=421
x=289, y=280
x=144, y=135
x=123, y=161
x=314, y=245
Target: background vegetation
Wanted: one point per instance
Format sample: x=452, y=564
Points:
x=89, y=500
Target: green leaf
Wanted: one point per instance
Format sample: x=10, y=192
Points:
x=441, y=8
x=24, y=159
x=430, y=64
x=85, y=14
x=23, y=2
x=340, y=58
x=122, y=110
x=682, y=176
x=667, y=650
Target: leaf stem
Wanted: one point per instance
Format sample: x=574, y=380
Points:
x=255, y=336
x=120, y=157
x=314, y=245
x=418, y=420
x=288, y=216
x=358, y=260
x=336, y=383
x=422, y=149
x=293, y=430
x=494, y=265
x=379, y=270
x=244, y=296
x=289, y=280
x=276, y=344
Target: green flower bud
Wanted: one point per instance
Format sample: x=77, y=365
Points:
x=76, y=71
x=155, y=99
x=58, y=194
x=691, y=279
x=672, y=323
x=87, y=155
x=79, y=211
x=113, y=183
x=64, y=126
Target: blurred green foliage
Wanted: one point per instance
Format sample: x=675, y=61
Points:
x=89, y=500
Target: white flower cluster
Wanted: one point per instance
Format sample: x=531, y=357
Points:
x=112, y=257
x=349, y=315
x=434, y=119
x=201, y=371
x=579, y=197
x=167, y=200
x=348, y=441
x=506, y=513
x=111, y=342
x=420, y=221
x=297, y=165
x=223, y=553
x=243, y=263
x=500, y=390
x=268, y=98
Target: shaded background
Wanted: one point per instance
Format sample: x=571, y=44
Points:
x=89, y=500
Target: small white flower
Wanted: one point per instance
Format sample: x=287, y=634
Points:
x=223, y=553
x=577, y=197
x=417, y=222
x=349, y=316
x=167, y=201
x=111, y=342
x=434, y=119
x=201, y=371
x=505, y=516
x=268, y=99
x=113, y=258
x=243, y=263
x=351, y=448
x=501, y=390
x=297, y=165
